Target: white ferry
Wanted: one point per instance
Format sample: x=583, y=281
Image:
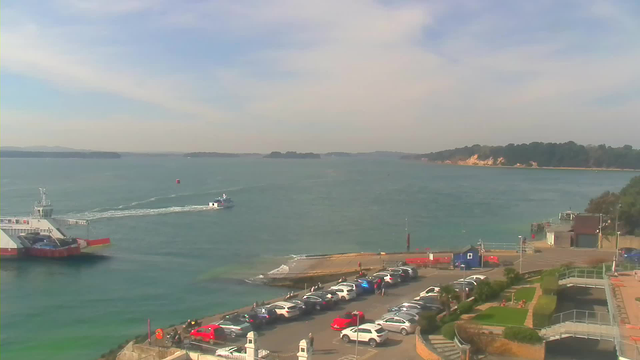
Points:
x=221, y=203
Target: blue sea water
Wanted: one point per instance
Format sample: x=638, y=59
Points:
x=172, y=260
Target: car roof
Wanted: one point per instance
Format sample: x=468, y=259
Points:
x=284, y=303
x=371, y=326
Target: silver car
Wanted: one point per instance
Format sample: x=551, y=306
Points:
x=235, y=328
x=402, y=323
x=411, y=313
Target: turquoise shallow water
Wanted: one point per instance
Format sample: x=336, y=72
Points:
x=171, y=260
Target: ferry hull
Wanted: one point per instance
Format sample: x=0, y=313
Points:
x=11, y=253
x=54, y=253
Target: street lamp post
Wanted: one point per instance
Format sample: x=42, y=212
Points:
x=464, y=282
x=520, y=254
x=357, y=333
x=481, y=252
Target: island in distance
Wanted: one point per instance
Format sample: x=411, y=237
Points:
x=217, y=155
x=537, y=154
x=291, y=155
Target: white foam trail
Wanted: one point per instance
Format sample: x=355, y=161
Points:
x=138, y=212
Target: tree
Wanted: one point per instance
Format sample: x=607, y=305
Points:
x=512, y=276
x=630, y=206
x=484, y=291
x=604, y=204
x=448, y=294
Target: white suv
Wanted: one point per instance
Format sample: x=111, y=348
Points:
x=285, y=309
x=371, y=333
x=388, y=277
x=344, y=292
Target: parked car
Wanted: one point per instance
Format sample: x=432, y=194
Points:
x=368, y=285
x=430, y=291
x=388, y=277
x=626, y=250
x=267, y=314
x=235, y=327
x=285, y=309
x=209, y=333
x=370, y=333
x=404, y=324
x=305, y=306
x=405, y=274
x=318, y=301
x=250, y=318
x=239, y=352
x=414, y=313
x=412, y=270
x=344, y=292
x=633, y=256
x=415, y=305
x=356, y=286
x=477, y=277
x=429, y=300
x=347, y=320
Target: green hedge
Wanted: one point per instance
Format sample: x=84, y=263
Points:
x=498, y=286
x=549, y=284
x=465, y=307
x=454, y=316
x=543, y=311
x=449, y=331
x=428, y=322
x=522, y=335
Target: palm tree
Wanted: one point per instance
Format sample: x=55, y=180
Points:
x=448, y=294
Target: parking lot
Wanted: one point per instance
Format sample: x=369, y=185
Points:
x=282, y=338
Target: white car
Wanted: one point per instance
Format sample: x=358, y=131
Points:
x=350, y=285
x=477, y=278
x=370, y=333
x=431, y=291
x=239, y=352
x=388, y=277
x=344, y=292
x=468, y=281
x=285, y=309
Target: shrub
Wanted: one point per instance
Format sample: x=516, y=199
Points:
x=512, y=276
x=454, y=316
x=521, y=335
x=449, y=331
x=428, y=322
x=498, y=287
x=465, y=307
x=549, y=284
x=543, y=310
x=484, y=291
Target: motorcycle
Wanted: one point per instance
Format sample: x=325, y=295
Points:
x=173, y=339
x=191, y=325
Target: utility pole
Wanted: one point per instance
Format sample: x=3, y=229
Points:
x=520, y=254
x=357, y=333
x=464, y=282
x=481, y=252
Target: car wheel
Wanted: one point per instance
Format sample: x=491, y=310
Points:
x=233, y=334
x=373, y=343
x=404, y=332
x=346, y=338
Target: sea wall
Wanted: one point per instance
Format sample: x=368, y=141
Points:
x=423, y=349
x=624, y=241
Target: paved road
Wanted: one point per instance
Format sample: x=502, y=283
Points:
x=283, y=338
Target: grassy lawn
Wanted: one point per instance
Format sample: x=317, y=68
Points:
x=498, y=315
x=537, y=280
x=525, y=293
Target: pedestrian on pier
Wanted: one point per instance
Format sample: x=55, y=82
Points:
x=311, y=343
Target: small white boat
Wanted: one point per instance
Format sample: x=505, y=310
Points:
x=221, y=203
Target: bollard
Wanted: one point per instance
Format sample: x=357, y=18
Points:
x=252, y=346
x=303, y=350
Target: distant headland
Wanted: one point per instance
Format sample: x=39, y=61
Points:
x=291, y=155
x=567, y=155
x=59, y=154
x=216, y=155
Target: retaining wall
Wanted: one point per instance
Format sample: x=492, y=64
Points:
x=504, y=347
x=423, y=349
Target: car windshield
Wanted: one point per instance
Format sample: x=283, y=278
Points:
x=410, y=320
x=346, y=316
x=379, y=330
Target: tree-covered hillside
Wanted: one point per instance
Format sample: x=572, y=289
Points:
x=567, y=154
x=626, y=204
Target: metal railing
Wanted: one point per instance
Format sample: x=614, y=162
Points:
x=582, y=317
x=461, y=344
x=581, y=273
x=507, y=246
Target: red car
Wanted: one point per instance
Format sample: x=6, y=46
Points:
x=347, y=320
x=210, y=333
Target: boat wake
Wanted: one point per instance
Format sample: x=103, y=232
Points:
x=138, y=212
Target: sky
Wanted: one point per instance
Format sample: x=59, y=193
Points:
x=261, y=76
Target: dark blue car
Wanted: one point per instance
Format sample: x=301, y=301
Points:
x=367, y=285
x=268, y=315
x=633, y=256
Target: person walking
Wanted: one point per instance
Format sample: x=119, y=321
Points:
x=311, y=343
x=382, y=287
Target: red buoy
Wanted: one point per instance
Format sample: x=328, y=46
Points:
x=177, y=181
